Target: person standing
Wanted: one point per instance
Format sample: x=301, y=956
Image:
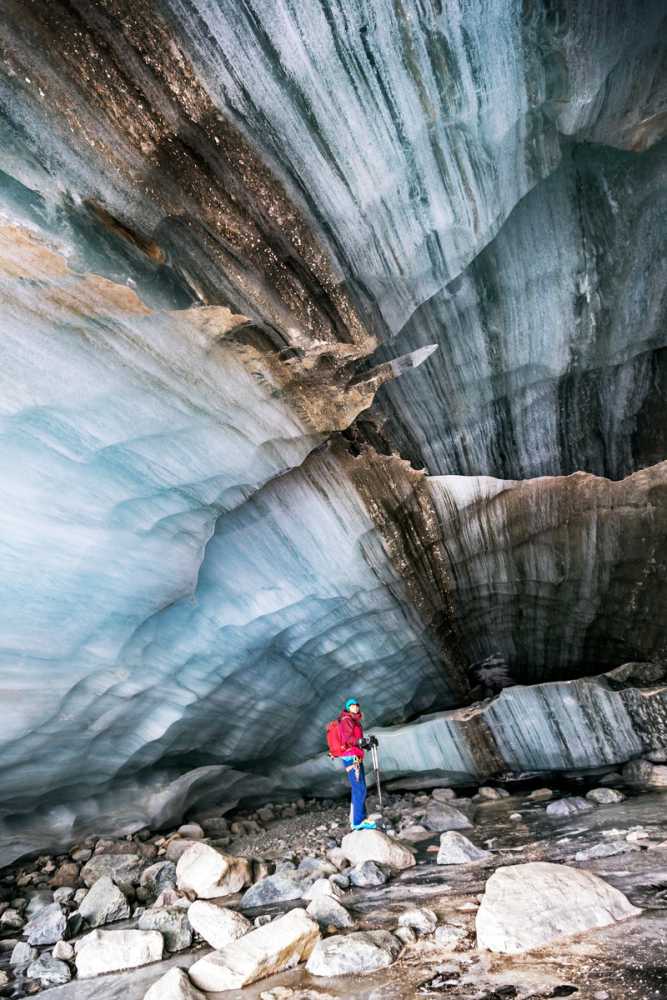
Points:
x=353, y=744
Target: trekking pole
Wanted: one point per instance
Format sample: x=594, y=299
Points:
x=376, y=767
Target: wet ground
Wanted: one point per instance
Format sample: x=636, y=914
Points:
x=625, y=962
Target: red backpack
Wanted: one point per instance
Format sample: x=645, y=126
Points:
x=333, y=738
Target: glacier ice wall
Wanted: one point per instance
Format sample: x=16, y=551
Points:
x=220, y=513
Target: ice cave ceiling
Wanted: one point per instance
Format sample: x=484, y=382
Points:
x=221, y=510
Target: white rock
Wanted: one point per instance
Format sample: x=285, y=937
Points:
x=373, y=845
x=216, y=924
x=63, y=951
x=455, y=849
x=112, y=951
x=443, y=794
x=541, y=794
x=210, y=874
x=419, y=918
x=63, y=894
x=527, y=906
x=448, y=936
x=337, y=858
x=406, y=934
x=280, y=945
x=356, y=953
x=605, y=796
x=323, y=887
x=282, y=993
x=329, y=913
x=104, y=904
x=174, y=985
x=492, y=794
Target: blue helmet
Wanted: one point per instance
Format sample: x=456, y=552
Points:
x=351, y=701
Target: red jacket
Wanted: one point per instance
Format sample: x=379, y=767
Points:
x=350, y=733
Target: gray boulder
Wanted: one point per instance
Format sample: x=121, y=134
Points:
x=441, y=816
x=607, y=849
x=172, y=923
x=11, y=920
x=353, y=954
x=191, y=831
x=156, y=878
x=455, y=849
x=420, y=919
x=48, y=926
x=329, y=913
x=367, y=874
x=37, y=900
x=569, y=807
x=644, y=774
x=23, y=954
x=318, y=867
x=49, y=971
x=123, y=869
x=104, y=904
x=273, y=889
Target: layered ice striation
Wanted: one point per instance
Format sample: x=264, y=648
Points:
x=553, y=341
x=227, y=235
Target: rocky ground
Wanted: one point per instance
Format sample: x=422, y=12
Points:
x=459, y=882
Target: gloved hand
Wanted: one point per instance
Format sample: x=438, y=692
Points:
x=366, y=742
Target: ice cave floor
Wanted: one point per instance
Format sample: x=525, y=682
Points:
x=627, y=961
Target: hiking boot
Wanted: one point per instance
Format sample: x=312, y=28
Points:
x=367, y=824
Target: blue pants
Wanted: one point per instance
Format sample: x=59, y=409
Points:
x=358, y=786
